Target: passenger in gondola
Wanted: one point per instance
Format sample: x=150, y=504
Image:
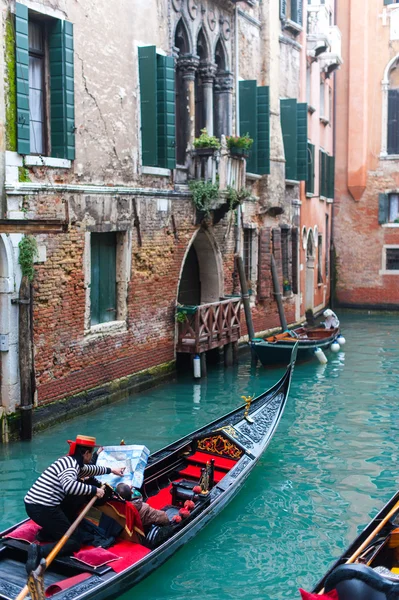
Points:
x=331, y=319
x=48, y=502
x=148, y=515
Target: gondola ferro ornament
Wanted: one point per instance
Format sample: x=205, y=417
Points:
x=248, y=400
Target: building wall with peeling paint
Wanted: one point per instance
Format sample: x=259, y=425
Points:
x=105, y=189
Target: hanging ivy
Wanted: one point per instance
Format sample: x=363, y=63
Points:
x=27, y=253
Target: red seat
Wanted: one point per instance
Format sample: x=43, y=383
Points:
x=224, y=464
x=195, y=473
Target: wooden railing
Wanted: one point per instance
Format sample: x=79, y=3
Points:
x=210, y=326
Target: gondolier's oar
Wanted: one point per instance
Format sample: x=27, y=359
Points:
x=372, y=535
x=366, y=542
x=49, y=559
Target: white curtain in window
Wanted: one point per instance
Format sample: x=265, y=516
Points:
x=36, y=104
x=393, y=207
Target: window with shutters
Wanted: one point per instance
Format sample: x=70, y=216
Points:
x=386, y=2
x=326, y=175
x=294, y=125
x=255, y=120
x=157, y=103
x=291, y=13
x=45, y=112
x=107, y=277
x=388, y=208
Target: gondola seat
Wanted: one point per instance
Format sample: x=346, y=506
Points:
x=195, y=473
x=221, y=463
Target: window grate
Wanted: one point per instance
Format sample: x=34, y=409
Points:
x=392, y=259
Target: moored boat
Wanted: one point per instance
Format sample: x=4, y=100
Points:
x=207, y=467
x=276, y=349
x=369, y=568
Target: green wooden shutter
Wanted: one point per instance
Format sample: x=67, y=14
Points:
x=249, y=119
x=302, y=123
x=393, y=121
x=289, y=126
x=263, y=130
x=321, y=174
x=103, y=278
x=166, y=111
x=310, y=177
x=383, y=205
x=148, y=105
x=331, y=176
x=22, y=78
x=62, y=90
x=283, y=9
x=389, y=2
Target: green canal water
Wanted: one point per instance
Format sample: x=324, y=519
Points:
x=330, y=467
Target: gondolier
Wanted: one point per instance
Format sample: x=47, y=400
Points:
x=46, y=503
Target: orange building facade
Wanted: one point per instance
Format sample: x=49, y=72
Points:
x=366, y=208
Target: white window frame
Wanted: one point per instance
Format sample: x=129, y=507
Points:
x=384, y=270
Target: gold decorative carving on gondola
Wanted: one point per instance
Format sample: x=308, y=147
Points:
x=218, y=444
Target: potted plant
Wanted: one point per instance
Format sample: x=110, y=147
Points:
x=205, y=144
x=239, y=145
x=286, y=286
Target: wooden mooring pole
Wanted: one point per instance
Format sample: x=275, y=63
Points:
x=26, y=373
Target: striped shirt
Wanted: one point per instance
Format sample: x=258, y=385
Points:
x=61, y=479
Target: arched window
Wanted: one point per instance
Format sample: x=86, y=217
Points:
x=202, y=53
x=222, y=103
x=182, y=46
x=393, y=111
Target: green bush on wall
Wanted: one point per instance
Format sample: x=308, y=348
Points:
x=27, y=253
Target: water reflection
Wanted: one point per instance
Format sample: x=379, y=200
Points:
x=330, y=466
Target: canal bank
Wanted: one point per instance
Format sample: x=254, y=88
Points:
x=330, y=466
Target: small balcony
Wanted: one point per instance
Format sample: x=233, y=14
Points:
x=331, y=60
x=208, y=326
x=211, y=165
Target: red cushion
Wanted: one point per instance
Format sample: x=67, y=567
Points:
x=333, y=595
x=26, y=532
x=161, y=499
x=130, y=553
x=195, y=473
x=95, y=557
x=220, y=463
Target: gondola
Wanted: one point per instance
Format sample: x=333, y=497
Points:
x=276, y=349
x=369, y=568
x=208, y=467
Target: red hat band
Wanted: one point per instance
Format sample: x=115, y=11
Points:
x=81, y=440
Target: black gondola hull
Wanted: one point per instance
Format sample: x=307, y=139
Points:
x=251, y=439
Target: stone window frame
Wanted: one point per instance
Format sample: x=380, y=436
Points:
x=123, y=277
x=384, y=270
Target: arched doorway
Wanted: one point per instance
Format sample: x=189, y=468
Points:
x=201, y=280
x=309, y=286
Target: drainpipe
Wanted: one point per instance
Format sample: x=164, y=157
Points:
x=237, y=127
x=332, y=255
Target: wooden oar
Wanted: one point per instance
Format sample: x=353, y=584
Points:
x=366, y=542
x=49, y=559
